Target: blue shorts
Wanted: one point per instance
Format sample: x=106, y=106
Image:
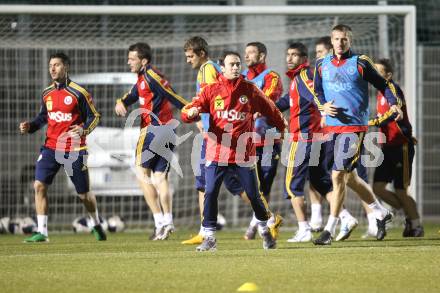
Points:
x=396, y=166
x=248, y=177
x=346, y=148
x=49, y=162
x=267, y=165
x=362, y=172
x=231, y=180
x=299, y=170
x=154, y=149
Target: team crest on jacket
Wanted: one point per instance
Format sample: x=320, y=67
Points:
x=49, y=103
x=351, y=71
x=243, y=99
x=219, y=104
x=67, y=100
x=143, y=85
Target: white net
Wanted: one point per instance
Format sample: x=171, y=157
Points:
x=97, y=47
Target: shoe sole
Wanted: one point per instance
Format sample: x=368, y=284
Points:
x=322, y=243
x=44, y=241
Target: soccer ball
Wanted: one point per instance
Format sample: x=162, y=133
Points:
x=221, y=221
x=84, y=224
x=14, y=226
x=27, y=225
x=116, y=224
x=81, y=225
x=4, y=225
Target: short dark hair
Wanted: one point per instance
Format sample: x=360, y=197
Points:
x=300, y=47
x=260, y=47
x=62, y=56
x=386, y=63
x=326, y=41
x=143, y=50
x=343, y=28
x=227, y=53
x=197, y=44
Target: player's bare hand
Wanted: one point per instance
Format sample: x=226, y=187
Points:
x=120, y=109
x=396, y=109
x=193, y=112
x=256, y=115
x=76, y=131
x=330, y=109
x=24, y=127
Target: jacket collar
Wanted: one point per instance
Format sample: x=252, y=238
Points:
x=255, y=70
x=295, y=71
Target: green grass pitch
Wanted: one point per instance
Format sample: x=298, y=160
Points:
x=128, y=262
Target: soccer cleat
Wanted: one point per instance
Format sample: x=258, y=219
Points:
x=198, y=239
x=417, y=232
x=37, y=237
x=208, y=244
x=407, y=230
x=325, y=238
x=275, y=228
x=166, y=232
x=250, y=232
x=99, y=233
x=316, y=226
x=157, y=232
x=301, y=236
x=268, y=241
x=381, y=226
x=346, y=228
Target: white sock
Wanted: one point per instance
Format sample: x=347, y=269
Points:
x=303, y=226
x=254, y=221
x=158, y=220
x=208, y=232
x=201, y=231
x=379, y=211
x=316, y=216
x=42, y=224
x=331, y=225
x=262, y=226
x=94, y=218
x=372, y=225
x=167, y=219
x=415, y=223
x=344, y=214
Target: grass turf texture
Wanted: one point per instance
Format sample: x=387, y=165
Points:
x=128, y=262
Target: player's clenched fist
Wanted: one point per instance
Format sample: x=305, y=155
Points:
x=193, y=112
x=24, y=127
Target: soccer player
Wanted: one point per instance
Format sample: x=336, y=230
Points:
x=398, y=150
x=323, y=47
x=70, y=115
x=341, y=85
x=197, y=54
x=154, y=94
x=269, y=149
x=231, y=103
x=305, y=126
